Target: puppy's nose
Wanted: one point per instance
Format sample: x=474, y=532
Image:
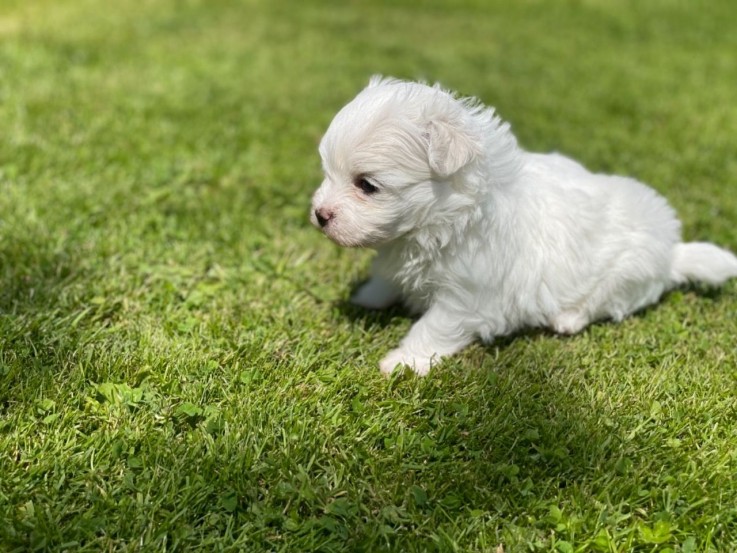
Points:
x=323, y=216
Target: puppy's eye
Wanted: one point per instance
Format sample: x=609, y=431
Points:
x=365, y=186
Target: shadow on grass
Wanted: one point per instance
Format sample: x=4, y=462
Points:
x=32, y=278
x=39, y=306
x=515, y=431
x=509, y=443
x=369, y=318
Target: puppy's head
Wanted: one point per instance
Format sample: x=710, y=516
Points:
x=389, y=157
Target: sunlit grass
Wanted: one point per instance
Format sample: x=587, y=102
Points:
x=179, y=367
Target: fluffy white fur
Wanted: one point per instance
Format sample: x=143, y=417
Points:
x=483, y=238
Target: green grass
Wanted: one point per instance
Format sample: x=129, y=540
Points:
x=179, y=367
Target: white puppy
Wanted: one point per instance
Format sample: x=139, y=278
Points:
x=483, y=238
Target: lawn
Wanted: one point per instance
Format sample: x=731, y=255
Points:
x=179, y=367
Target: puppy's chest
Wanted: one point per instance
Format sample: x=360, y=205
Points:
x=418, y=274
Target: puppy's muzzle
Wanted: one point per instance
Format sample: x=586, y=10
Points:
x=323, y=217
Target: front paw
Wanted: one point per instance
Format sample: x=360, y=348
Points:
x=396, y=358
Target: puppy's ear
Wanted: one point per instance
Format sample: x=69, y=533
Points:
x=449, y=149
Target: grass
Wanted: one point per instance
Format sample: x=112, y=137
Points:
x=179, y=368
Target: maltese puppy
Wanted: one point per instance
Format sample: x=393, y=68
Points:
x=483, y=238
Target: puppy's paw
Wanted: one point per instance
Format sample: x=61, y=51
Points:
x=375, y=294
x=396, y=358
x=569, y=322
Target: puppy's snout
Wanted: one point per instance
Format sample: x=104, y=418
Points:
x=323, y=216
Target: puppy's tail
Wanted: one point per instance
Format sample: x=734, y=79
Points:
x=702, y=262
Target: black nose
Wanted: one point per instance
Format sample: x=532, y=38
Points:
x=323, y=217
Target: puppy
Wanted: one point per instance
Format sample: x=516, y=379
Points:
x=483, y=238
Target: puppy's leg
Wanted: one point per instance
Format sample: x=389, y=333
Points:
x=435, y=335
x=377, y=293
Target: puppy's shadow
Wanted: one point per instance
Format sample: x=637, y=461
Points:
x=368, y=318
x=713, y=293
